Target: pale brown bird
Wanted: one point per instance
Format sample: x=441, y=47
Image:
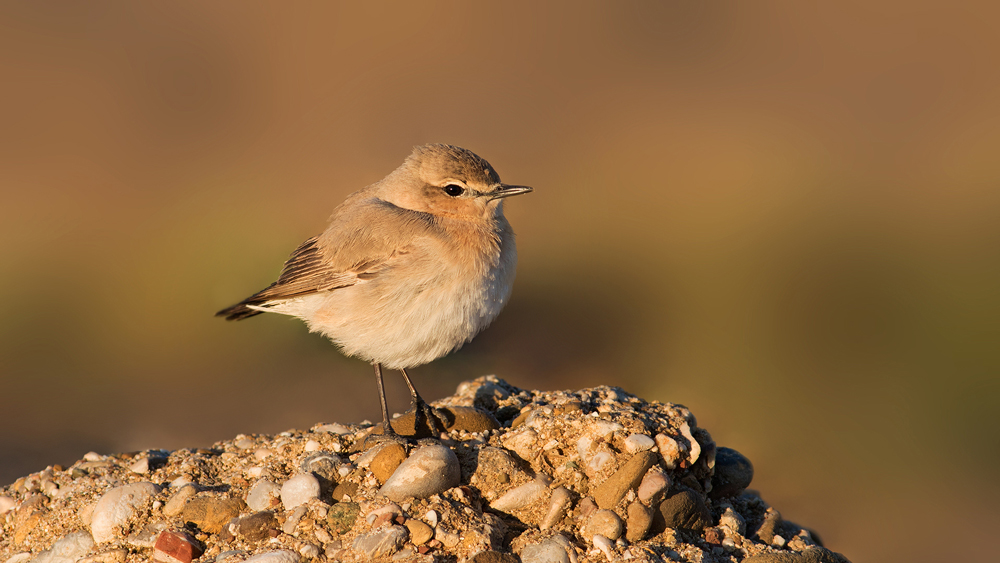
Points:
x=411, y=267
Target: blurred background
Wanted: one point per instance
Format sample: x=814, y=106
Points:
x=782, y=215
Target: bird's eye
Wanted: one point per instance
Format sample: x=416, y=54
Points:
x=454, y=190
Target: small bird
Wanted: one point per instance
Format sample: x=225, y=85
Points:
x=410, y=268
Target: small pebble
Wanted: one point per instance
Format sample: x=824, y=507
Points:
x=638, y=442
x=283, y=556
x=640, y=518
x=299, y=490
x=174, y=547
x=211, y=512
x=67, y=549
x=382, y=542
x=669, y=449
x=520, y=497
x=612, y=490
x=264, y=495
x=117, y=507
x=686, y=510
x=6, y=504
x=605, y=523
x=606, y=546
x=420, y=533
x=176, y=502
x=653, y=485
x=546, y=551
x=559, y=504
x=312, y=446
x=733, y=473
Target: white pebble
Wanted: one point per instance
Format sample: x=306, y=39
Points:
x=312, y=446
x=255, y=471
x=141, y=465
x=92, y=456
x=67, y=550
x=606, y=546
x=283, y=556
x=639, y=443
x=6, y=504
x=669, y=449
x=695, y=446
x=522, y=496
x=432, y=518
x=299, y=490
x=262, y=495
x=117, y=506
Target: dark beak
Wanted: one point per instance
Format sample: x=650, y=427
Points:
x=507, y=191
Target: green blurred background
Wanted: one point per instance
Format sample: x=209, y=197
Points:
x=782, y=215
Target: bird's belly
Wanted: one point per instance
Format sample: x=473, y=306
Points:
x=405, y=321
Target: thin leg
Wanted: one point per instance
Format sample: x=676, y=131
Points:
x=421, y=409
x=386, y=427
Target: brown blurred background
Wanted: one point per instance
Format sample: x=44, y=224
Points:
x=782, y=215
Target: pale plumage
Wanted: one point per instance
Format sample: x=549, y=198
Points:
x=409, y=269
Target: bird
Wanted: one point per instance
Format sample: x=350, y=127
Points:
x=408, y=270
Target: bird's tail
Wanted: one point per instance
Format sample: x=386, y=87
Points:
x=239, y=311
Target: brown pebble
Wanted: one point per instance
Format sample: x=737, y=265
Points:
x=714, y=536
x=520, y=419
x=494, y=557
x=611, y=491
x=686, y=510
x=386, y=461
x=344, y=489
x=420, y=533
x=211, y=513
x=640, y=517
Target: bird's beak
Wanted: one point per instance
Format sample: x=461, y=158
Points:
x=507, y=191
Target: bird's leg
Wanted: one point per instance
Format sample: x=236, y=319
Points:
x=386, y=427
x=421, y=410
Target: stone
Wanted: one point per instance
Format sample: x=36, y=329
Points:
x=344, y=491
x=669, y=449
x=342, y=516
x=653, y=485
x=381, y=543
x=494, y=557
x=299, y=490
x=173, y=547
x=211, y=513
x=733, y=474
x=638, y=442
x=264, y=495
x=420, y=533
x=640, y=518
x=605, y=523
x=282, y=556
x=385, y=462
x=811, y=555
x=547, y=551
x=520, y=497
x=145, y=537
x=256, y=526
x=117, y=507
x=769, y=527
x=732, y=521
x=428, y=471
x=469, y=419
x=322, y=464
x=497, y=464
x=6, y=504
x=559, y=504
x=606, y=546
x=628, y=476
x=67, y=549
x=686, y=510
x=177, y=501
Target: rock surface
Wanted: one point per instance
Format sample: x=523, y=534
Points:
x=538, y=477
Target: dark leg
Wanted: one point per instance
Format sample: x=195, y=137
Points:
x=422, y=412
x=386, y=427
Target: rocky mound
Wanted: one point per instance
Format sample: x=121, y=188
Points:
x=538, y=477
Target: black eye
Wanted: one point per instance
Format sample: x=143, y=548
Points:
x=454, y=190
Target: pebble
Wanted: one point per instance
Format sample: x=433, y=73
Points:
x=309, y=550
x=20, y=558
x=428, y=471
x=322, y=464
x=335, y=428
x=299, y=490
x=811, y=555
x=520, y=497
x=431, y=517
x=640, y=518
x=732, y=521
x=264, y=495
x=244, y=443
x=67, y=550
x=638, y=442
x=770, y=525
x=491, y=556
x=312, y=446
x=385, y=513
x=282, y=556
x=6, y=504
x=231, y=553
x=381, y=543
x=497, y=464
x=256, y=526
x=669, y=449
x=420, y=533
x=140, y=466
x=385, y=462
x=653, y=485
x=292, y=521
x=117, y=507
x=174, y=547
x=211, y=513
x=606, y=546
x=522, y=442
x=695, y=451
x=469, y=419
x=146, y=536
x=733, y=473
x=559, y=504
x=176, y=502
x=342, y=516
x=612, y=490
x=547, y=551
x=605, y=523
x=686, y=510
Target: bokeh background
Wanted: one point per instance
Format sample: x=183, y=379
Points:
x=783, y=215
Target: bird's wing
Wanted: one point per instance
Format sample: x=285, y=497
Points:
x=361, y=241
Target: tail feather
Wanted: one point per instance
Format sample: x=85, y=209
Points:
x=238, y=312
